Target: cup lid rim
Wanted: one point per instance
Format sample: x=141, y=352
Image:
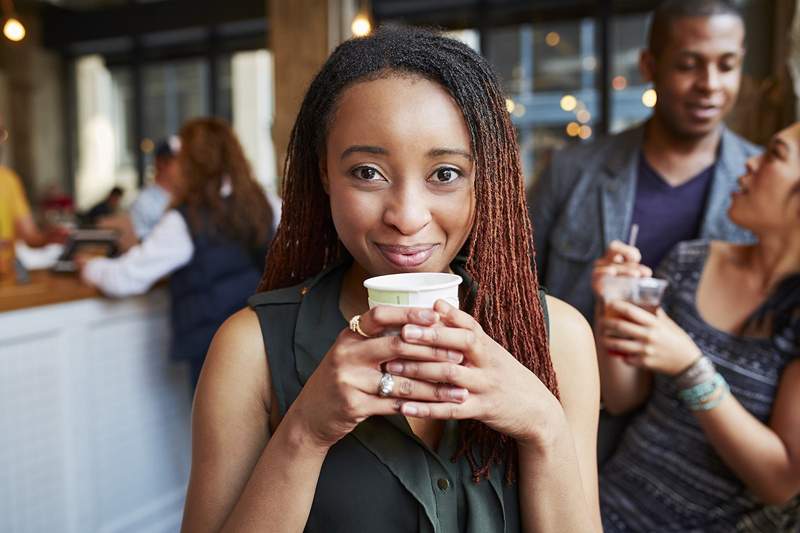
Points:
x=379, y=282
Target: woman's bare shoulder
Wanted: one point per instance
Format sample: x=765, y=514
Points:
x=572, y=346
x=236, y=362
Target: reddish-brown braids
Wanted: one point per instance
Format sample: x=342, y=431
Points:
x=499, y=250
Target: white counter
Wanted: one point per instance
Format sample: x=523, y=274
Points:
x=94, y=418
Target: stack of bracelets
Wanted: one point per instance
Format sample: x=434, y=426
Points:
x=701, y=387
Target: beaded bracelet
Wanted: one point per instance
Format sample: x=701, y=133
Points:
x=705, y=396
x=701, y=371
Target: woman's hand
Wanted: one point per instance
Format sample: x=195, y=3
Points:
x=619, y=260
x=647, y=340
x=343, y=390
x=503, y=393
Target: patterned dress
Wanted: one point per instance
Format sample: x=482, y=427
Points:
x=665, y=476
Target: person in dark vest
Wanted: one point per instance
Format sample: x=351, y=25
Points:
x=308, y=416
x=212, y=242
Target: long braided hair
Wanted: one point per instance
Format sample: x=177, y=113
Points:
x=499, y=250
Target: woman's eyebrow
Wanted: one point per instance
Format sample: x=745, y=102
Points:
x=438, y=152
x=364, y=149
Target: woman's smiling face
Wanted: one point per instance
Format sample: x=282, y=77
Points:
x=400, y=174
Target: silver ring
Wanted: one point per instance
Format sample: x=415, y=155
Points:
x=386, y=385
x=355, y=326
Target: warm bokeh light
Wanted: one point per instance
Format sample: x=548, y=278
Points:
x=510, y=105
x=14, y=30
x=585, y=132
x=147, y=145
x=573, y=128
x=619, y=83
x=583, y=115
x=568, y=102
x=649, y=98
x=361, y=26
x=519, y=109
x=552, y=38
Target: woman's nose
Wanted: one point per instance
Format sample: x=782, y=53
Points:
x=407, y=210
x=753, y=163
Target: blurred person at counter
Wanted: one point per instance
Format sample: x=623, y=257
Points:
x=16, y=219
x=107, y=207
x=153, y=201
x=212, y=244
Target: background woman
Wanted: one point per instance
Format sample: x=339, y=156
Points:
x=717, y=446
x=212, y=243
x=402, y=159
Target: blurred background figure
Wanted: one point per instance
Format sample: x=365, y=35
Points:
x=105, y=208
x=212, y=244
x=717, y=369
x=153, y=201
x=16, y=219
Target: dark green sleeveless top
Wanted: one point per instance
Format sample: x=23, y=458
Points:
x=380, y=478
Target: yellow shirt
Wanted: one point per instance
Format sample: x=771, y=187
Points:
x=13, y=204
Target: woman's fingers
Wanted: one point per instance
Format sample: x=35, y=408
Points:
x=619, y=252
x=381, y=349
x=622, y=346
x=440, y=411
x=452, y=373
x=452, y=339
x=409, y=388
x=379, y=318
x=630, y=312
x=614, y=327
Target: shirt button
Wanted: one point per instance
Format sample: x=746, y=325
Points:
x=443, y=484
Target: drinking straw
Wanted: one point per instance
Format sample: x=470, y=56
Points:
x=633, y=235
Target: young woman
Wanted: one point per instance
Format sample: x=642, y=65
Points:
x=716, y=447
x=402, y=159
x=212, y=243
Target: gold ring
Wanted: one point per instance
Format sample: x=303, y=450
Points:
x=355, y=326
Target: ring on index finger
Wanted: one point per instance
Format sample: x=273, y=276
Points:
x=355, y=326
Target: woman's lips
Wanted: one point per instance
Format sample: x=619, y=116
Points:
x=407, y=256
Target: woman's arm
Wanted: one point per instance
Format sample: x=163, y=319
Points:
x=765, y=458
x=558, y=483
x=242, y=478
x=231, y=443
x=165, y=250
x=623, y=387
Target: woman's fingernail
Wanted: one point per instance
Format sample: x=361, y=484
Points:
x=458, y=394
x=428, y=316
x=409, y=410
x=394, y=367
x=412, y=332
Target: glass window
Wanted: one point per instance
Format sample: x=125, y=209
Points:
x=173, y=92
x=548, y=71
x=628, y=39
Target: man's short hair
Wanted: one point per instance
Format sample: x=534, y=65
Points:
x=168, y=148
x=670, y=10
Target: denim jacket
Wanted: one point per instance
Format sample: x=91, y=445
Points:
x=584, y=200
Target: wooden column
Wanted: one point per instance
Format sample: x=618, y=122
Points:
x=298, y=35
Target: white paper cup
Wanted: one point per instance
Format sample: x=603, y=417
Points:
x=416, y=289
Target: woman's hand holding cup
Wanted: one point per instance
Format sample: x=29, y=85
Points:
x=344, y=389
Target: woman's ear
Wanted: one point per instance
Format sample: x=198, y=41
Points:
x=323, y=178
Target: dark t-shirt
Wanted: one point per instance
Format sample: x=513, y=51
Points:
x=667, y=215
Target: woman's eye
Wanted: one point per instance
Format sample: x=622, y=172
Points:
x=447, y=175
x=367, y=173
